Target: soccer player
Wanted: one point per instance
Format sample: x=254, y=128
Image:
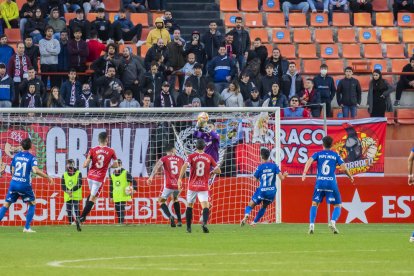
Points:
x=23, y=164
x=266, y=173
x=201, y=167
x=411, y=178
x=171, y=163
x=326, y=185
x=100, y=157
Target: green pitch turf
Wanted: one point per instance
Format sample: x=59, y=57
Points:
x=227, y=250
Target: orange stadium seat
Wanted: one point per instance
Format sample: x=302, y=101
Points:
x=372, y=51
x=287, y=50
x=410, y=50
x=275, y=20
x=405, y=19
x=281, y=36
x=91, y=16
x=14, y=46
x=302, y=36
x=329, y=51
x=112, y=5
x=144, y=50
x=269, y=48
x=380, y=64
x=155, y=15
x=324, y=35
x=297, y=19
x=139, y=18
x=398, y=64
x=271, y=6
x=307, y=51
x=144, y=33
x=367, y=35
x=112, y=16
x=228, y=5
x=390, y=117
x=230, y=19
x=380, y=5
x=311, y=66
x=351, y=51
x=335, y=65
x=394, y=51
x=384, y=19
x=408, y=35
x=319, y=20
x=20, y=3
x=340, y=19
x=249, y=5
x=362, y=112
x=363, y=81
x=253, y=20
x=260, y=33
x=405, y=116
x=69, y=16
x=390, y=35
x=346, y=35
x=362, y=19
x=13, y=35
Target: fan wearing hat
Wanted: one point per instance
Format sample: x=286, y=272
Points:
x=165, y=99
x=195, y=46
x=254, y=100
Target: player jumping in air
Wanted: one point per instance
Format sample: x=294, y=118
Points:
x=23, y=164
x=411, y=178
x=171, y=164
x=201, y=167
x=326, y=185
x=266, y=173
x=100, y=156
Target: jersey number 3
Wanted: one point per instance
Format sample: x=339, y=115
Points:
x=100, y=161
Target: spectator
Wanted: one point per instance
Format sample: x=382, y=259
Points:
x=32, y=51
x=146, y=101
x=129, y=101
x=360, y=6
x=288, y=5
x=211, y=98
x=100, y=66
x=86, y=99
x=401, y=5
x=54, y=98
x=241, y=43
x=164, y=98
x=132, y=74
x=26, y=12
x=280, y=64
x=265, y=85
x=188, y=68
x=261, y=53
x=162, y=68
x=228, y=42
x=79, y=22
x=221, y=70
x=134, y=5
x=292, y=83
x=232, y=96
x=103, y=26
x=92, y=5
x=337, y=5
x=185, y=99
x=72, y=5
x=198, y=81
x=153, y=82
x=112, y=103
x=9, y=14
x=254, y=99
x=311, y=98
x=56, y=22
x=158, y=32
x=109, y=86
x=379, y=100
x=32, y=79
x=196, y=102
x=169, y=22
x=275, y=98
x=6, y=52
x=35, y=26
x=211, y=40
x=95, y=46
x=176, y=57
x=78, y=52
x=348, y=94
x=326, y=87
x=156, y=5
x=124, y=30
x=63, y=57
x=253, y=69
x=405, y=82
x=294, y=110
x=30, y=98
x=6, y=87
x=49, y=50
x=196, y=47
x=71, y=89
x=246, y=85
x=48, y=5
x=156, y=48
x=319, y=5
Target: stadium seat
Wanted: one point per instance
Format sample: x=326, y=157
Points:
x=307, y=51
x=340, y=19
x=297, y=19
x=408, y=35
x=362, y=112
x=390, y=118
x=228, y=5
x=260, y=33
x=372, y=51
x=13, y=35
x=281, y=36
x=405, y=19
x=112, y=16
x=269, y=48
x=405, y=116
x=139, y=18
x=394, y=51
x=319, y=20
x=367, y=35
x=230, y=19
x=132, y=46
x=112, y=5
x=253, y=20
x=362, y=19
x=311, y=66
x=380, y=5
x=398, y=64
x=390, y=35
x=363, y=81
x=69, y=16
x=155, y=15
x=144, y=33
x=287, y=50
x=143, y=50
x=249, y=5
x=380, y=64
x=302, y=36
x=20, y=3
x=335, y=66
x=329, y=51
x=384, y=19
x=271, y=6
x=351, y=51
x=324, y=35
x=410, y=50
x=346, y=35
x=91, y=16
x=275, y=20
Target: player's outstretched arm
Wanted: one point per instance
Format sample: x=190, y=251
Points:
x=410, y=169
x=347, y=172
x=182, y=173
x=307, y=166
x=39, y=172
x=283, y=175
x=216, y=170
x=154, y=171
x=87, y=161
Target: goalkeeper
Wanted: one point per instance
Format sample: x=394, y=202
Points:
x=207, y=132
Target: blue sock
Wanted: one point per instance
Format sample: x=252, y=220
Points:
x=247, y=210
x=336, y=213
x=313, y=211
x=3, y=211
x=259, y=214
x=412, y=235
x=29, y=216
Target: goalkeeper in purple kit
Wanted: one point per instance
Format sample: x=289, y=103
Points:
x=210, y=137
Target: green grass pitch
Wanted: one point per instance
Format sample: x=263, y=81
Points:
x=275, y=249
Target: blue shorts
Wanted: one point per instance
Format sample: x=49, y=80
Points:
x=260, y=196
x=14, y=192
x=332, y=195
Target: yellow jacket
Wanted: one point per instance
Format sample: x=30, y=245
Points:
x=155, y=34
x=9, y=12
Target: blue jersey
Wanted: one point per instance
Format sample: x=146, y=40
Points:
x=327, y=161
x=267, y=173
x=23, y=162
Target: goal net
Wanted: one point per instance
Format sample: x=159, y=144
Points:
x=138, y=137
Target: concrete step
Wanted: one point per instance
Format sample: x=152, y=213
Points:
x=400, y=132
x=196, y=14
x=396, y=165
x=398, y=148
x=184, y=6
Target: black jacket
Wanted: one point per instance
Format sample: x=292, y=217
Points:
x=150, y=56
x=265, y=85
x=280, y=67
x=287, y=82
x=200, y=91
x=103, y=27
x=152, y=83
x=245, y=89
x=33, y=53
x=100, y=65
x=184, y=99
x=40, y=86
x=405, y=79
x=211, y=43
x=348, y=92
x=35, y=24
x=242, y=45
x=26, y=100
x=91, y=99
x=84, y=25
x=197, y=50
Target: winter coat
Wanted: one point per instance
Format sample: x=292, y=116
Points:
x=287, y=82
x=211, y=43
x=155, y=34
x=78, y=52
x=348, y=92
x=132, y=70
x=176, y=56
x=150, y=56
x=66, y=91
x=6, y=88
x=386, y=92
x=221, y=67
x=326, y=86
x=242, y=46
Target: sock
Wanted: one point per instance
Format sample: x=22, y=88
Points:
x=87, y=209
x=412, y=235
x=205, y=215
x=189, y=216
x=3, y=211
x=336, y=213
x=247, y=210
x=259, y=214
x=312, y=216
x=165, y=210
x=177, y=210
x=29, y=216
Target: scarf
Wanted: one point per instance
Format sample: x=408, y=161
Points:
x=72, y=95
x=86, y=98
x=17, y=69
x=32, y=100
x=163, y=101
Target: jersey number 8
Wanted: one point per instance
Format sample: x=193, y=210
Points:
x=200, y=168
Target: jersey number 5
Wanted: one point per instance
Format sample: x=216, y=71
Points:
x=174, y=167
